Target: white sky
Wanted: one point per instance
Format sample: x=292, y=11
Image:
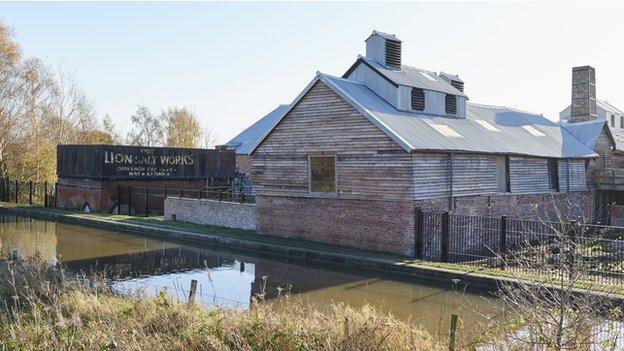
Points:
x=233, y=63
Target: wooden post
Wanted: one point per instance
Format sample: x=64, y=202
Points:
x=146, y=201
x=129, y=200
x=419, y=232
x=180, y=192
x=45, y=194
x=220, y=195
x=452, y=332
x=571, y=252
x=16, y=191
x=503, y=240
x=445, y=237
x=199, y=194
x=241, y=197
x=165, y=193
x=118, y=199
x=191, y=299
x=30, y=190
x=450, y=165
x=55, y=194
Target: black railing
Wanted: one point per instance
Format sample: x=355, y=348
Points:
x=33, y=193
x=151, y=201
x=526, y=246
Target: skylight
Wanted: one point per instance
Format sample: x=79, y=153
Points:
x=446, y=130
x=533, y=131
x=428, y=76
x=487, y=125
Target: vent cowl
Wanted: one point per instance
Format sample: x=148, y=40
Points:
x=384, y=49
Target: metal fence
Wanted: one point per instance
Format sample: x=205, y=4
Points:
x=589, y=252
x=151, y=201
x=33, y=193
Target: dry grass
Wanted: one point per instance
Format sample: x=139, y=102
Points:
x=70, y=316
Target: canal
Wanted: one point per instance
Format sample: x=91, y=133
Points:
x=136, y=264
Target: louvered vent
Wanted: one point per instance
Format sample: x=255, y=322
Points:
x=418, y=99
x=393, y=53
x=450, y=103
x=458, y=85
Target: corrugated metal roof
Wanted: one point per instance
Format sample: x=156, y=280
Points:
x=411, y=76
x=618, y=137
x=606, y=105
x=417, y=132
x=587, y=132
x=246, y=141
x=384, y=35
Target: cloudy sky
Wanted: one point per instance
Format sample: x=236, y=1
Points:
x=233, y=63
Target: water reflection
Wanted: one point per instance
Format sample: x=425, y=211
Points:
x=225, y=278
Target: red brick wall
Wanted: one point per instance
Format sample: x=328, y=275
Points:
x=102, y=195
x=371, y=225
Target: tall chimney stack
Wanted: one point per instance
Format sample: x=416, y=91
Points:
x=583, y=94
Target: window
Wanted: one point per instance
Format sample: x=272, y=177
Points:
x=450, y=103
x=322, y=174
x=553, y=174
x=612, y=121
x=487, y=125
x=533, y=130
x=445, y=130
x=504, y=177
x=418, y=99
x=621, y=122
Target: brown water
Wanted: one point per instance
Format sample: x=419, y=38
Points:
x=231, y=278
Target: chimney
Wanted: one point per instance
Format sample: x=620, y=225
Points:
x=583, y=106
x=384, y=49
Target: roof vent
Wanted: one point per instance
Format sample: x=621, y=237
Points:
x=454, y=80
x=384, y=49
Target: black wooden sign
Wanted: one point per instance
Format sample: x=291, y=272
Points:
x=137, y=162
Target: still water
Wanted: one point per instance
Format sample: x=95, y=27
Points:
x=230, y=278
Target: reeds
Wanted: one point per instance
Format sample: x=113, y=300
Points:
x=44, y=311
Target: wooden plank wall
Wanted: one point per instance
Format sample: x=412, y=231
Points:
x=577, y=175
x=370, y=165
x=528, y=175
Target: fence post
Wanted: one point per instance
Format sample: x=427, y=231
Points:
x=30, y=190
x=16, y=191
x=55, y=194
x=503, y=240
x=191, y=299
x=572, y=249
x=129, y=200
x=241, y=196
x=146, y=201
x=118, y=199
x=45, y=194
x=199, y=194
x=445, y=237
x=419, y=228
x=180, y=192
x=220, y=195
x=165, y=193
x=452, y=332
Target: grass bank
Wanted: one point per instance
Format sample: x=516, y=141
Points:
x=47, y=313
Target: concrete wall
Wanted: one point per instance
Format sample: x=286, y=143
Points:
x=211, y=212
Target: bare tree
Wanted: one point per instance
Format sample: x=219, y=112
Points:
x=563, y=278
x=148, y=130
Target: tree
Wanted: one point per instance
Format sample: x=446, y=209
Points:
x=563, y=271
x=148, y=130
x=183, y=128
x=110, y=129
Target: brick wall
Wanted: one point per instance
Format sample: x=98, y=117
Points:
x=371, y=225
x=211, y=212
x=102, y=195
x=526, y=206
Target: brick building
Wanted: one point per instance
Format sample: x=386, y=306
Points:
x=351, y=158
